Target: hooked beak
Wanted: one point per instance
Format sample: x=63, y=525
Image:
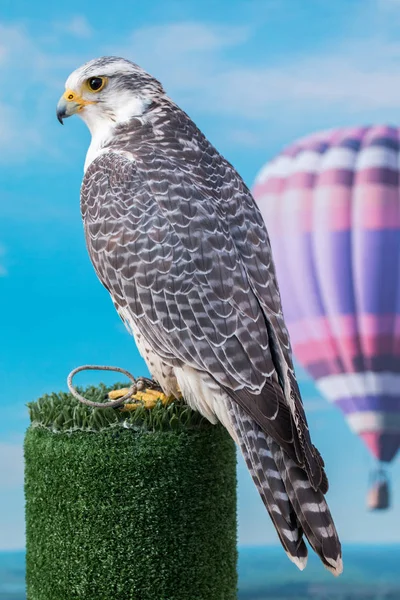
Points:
x=66, y=109
x=69, y=104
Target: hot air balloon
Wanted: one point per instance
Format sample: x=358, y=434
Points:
x=331, y=202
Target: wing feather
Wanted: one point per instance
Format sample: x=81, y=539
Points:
x=182, y=246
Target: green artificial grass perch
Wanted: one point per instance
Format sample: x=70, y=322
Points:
x=136, y=505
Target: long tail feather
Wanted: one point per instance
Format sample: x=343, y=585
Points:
x=294, y=506
x=269, y=483
x=311, y=509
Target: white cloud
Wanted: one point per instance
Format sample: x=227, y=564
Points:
x=26, y=58
x=18, y=134
x=360, y=76
x=21, y=65
x=181, y=54
x=11, y=466
x=78, y=27
x=356, y=78
x=187, y=36
x=388, y=4
x=33, y=69
x=246, y=137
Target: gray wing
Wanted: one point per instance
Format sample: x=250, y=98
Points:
x=183, y=247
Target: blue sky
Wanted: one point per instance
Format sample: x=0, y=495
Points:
x=254, y=75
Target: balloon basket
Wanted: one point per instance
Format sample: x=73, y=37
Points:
x=378, y=497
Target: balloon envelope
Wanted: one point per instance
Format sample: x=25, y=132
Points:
x=331, y=203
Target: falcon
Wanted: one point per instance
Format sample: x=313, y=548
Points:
x=176, y=238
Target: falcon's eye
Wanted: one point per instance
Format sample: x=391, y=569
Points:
x=96, y=83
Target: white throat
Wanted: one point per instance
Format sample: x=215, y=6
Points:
x=102, y=124
x=101, y=134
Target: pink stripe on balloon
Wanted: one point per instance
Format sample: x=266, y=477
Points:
x=297, y=211
x=311, y=352
x=301, y=180
x=331, y=209
x=376, y=345
x=345, y=350
x=377, y=334
x=273, y=185
x=342, y=177
x=396, y=326
x=378, y=324
x=321, y=328
x=326, y=208
x=378, y=207
x=337, y=341
x=345, y=325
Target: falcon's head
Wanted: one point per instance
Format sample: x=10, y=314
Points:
x=108, y=89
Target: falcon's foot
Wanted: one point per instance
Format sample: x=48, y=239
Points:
x=147, y=397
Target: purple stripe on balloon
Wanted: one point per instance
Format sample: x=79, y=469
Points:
x=326, y=289
x=334, y=270
x=386, y=142
x=338, y=137
x=292, y=309
x=379, y=364
x=389, y=404
x=375, y=263
x=334, y=249
x=385, y=175
x=351, y=143
x=302, y=274
x=373, y=249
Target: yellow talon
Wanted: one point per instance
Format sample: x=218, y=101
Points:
x=146, y=404
x=115, y=394
x=148, y=398
x=148, y=394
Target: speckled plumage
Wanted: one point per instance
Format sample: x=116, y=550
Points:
x=176, y=238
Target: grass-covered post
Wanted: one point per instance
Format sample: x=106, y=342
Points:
x=128, y=504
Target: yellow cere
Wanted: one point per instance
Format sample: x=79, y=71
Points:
x=71, y=96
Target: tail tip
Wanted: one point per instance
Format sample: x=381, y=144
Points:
x=335, y=566
x=299, y=561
